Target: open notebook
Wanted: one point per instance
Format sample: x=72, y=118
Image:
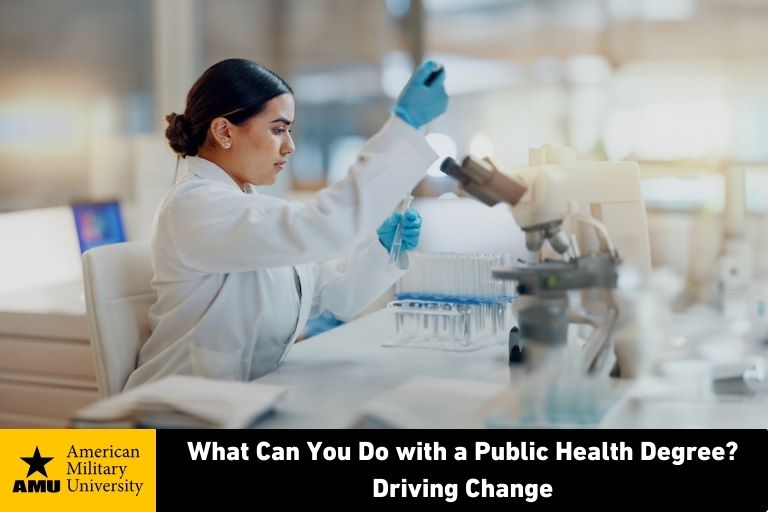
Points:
x=183, y=402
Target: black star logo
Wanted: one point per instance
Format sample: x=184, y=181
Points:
x=37, y=463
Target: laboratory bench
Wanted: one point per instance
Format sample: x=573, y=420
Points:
x=332, y=375
x=335, y=377
x=346, y=377
x=46, y=366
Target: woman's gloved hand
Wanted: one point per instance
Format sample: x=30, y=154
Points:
x=420, y=103
x=411, y=230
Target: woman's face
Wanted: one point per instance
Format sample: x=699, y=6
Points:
x=261, y=145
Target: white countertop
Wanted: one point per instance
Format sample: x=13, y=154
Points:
x=334, y=375
x=56, y=311
x=64, y=299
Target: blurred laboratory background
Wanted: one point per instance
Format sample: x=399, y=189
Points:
x=679, y=86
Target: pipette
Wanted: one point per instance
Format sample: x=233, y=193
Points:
x=397, y=241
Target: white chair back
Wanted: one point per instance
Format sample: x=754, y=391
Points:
x=118, y=294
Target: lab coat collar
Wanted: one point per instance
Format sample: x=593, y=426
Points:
x=208, y=170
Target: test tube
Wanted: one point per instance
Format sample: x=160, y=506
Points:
x=397, y=242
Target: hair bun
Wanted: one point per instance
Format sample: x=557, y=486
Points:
x=179, y=135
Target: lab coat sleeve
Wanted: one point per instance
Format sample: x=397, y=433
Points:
x=346, y=286
x=214, y=230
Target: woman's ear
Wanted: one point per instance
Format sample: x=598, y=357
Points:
x=220, y=130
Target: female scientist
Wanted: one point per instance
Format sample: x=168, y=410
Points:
x=237, y=274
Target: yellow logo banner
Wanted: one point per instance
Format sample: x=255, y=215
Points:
x=78, y=470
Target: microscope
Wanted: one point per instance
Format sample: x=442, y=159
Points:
x=581, y=221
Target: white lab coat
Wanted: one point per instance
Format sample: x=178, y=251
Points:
x=236, y=274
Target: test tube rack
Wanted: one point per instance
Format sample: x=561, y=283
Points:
x=450, y=301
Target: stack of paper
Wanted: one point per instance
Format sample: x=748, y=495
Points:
x=183, y=402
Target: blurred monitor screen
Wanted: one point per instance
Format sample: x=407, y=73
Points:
x=98, y=223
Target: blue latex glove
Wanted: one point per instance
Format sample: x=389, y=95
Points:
x=418, y=103
x=411, y=230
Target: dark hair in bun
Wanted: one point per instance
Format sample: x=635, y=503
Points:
x=236, y=89
x=179, y=136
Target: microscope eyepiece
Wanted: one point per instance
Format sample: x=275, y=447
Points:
x=450, y=167
x=482, y=180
